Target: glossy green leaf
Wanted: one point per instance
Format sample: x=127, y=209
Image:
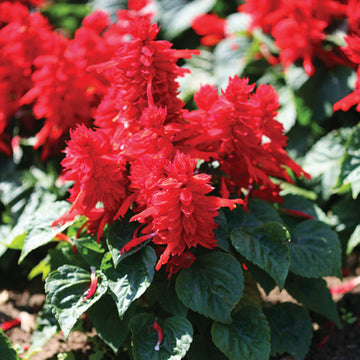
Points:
x=6, y=351
x=212, y=286
x=168, y=298
x=291, y=329
x=65, y=289
x=315, y=98
x=130, y=279
x=107, y=323
x=247, y=337
x=313, y=294
x=90, y=251
x=354, y=240
x=260, y=213
x=222, y=232
x=177, y=332
x=266, y=247
x=314, y=250
x=350, y=165
x=118, y=234
x=305, y=206
x=41, y=232
x=287, y=111
x=323, y=160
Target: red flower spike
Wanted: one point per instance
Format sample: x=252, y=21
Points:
x=159, y=332
x=7, y=325
x=93, y=285
x=343, y=289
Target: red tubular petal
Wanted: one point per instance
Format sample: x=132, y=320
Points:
x=6, y=325
x=342, y=289
x=93, y=284
x=159, y=332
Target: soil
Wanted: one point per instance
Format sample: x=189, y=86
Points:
x=328, y=343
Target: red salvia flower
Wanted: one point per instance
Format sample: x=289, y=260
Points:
x=180, y=213
x=98, y=175
x=238, y=128
x=210, y=27
x=298, y=27
x=23, y=36
x=143, y=73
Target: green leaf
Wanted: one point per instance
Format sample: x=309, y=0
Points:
x=131, y=277
x=262, y=277
x=212, y=286
x=315, y=98
x=118, y=235
x=259, y=214
x=350, y=165
x=248, y=337
x=65, y=289
x=6, y=351
x=222, y=232
x=266, y=247
x=323, y=160
x=41, y=232
x=287, y=112
x=175, y=16
x=291, y=329
x=299, y=203
x=177, y=332
x=91, y=251
x=107, y=323
x=354, y=241
x=16, y=236
x=314, y=250
x=203, y=348
x=313, y=294
x=168, y=299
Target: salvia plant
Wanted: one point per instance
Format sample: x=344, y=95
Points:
x=157, y=183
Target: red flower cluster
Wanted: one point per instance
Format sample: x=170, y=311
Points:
x=145, y=149
x=298, y=27
x=23, y=37
x=38, y=66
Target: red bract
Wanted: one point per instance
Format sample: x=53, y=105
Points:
x=179, y=212
x=210, y=27
x=98, y=175
x=143, y=73
x=353, y=15
x=261, y=12
x=353, y=52
x=27, y=2
x=64, y=92
x=23, y=36
x=238, y=128
x=298, y=27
